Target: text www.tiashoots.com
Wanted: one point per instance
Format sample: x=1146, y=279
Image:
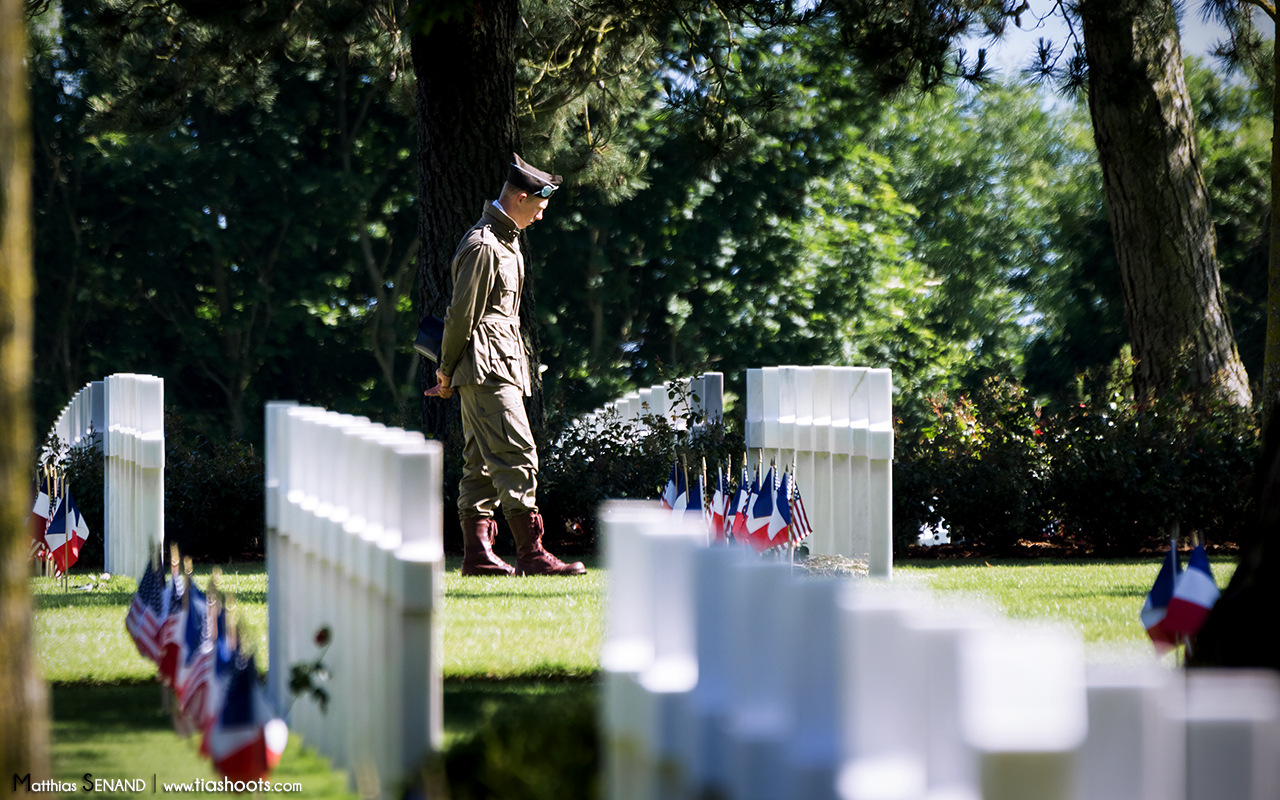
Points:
x=141, y=785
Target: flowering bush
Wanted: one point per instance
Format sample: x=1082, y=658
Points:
x=1107, y=475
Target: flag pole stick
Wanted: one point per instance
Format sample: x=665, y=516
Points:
x=791, y=544
x=791, y=499
x=1179, y=657
x=688, y=487
x=62, y=490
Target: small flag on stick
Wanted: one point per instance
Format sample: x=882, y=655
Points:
x=1156, y=608
x=1194, y=594
x=145, y=614
x=800, y=527
x=780, y=519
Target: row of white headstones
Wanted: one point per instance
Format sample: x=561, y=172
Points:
x=733, y=677
x=355, y=544
x=701, y=396
x=127, y=412
x=833, y=424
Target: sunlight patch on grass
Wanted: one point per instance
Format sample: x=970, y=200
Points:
x=119, y=732
x=522, y=627
x=80, y=635
x=1101, y=599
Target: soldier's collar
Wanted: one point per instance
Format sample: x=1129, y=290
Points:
x=501, y=224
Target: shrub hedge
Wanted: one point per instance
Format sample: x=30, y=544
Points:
x=213, y=497
x=1106, y=476
x=586, y=465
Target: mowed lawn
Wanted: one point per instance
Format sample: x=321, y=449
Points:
x=507, y=642
x=1101, y=599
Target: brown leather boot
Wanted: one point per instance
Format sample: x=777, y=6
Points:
x=531, y=559
x=477, y=548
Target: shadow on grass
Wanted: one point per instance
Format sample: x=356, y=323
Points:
x=516, y=593
x=88, y=709
x=529, y=739
x=520, y=739
x=123, y=731
x=995, y=561
x=75, y=599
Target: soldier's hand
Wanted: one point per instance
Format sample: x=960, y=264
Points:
x=442, y=388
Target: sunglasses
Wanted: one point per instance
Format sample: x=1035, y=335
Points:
x=546, y=191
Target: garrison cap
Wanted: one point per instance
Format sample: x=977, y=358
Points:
x=530, y=179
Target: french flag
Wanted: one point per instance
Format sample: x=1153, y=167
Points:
x=761, y=512
x=780, y=520
x=680, y=502
x=670, y=491
x=66, y=535
x=1155, y=610
x=1194, y=594
x=740, y=507
x=694, y=510
x=247, y=741
x=40, y=514
x=719, y=508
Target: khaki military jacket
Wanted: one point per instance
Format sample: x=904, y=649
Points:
x=482, y=343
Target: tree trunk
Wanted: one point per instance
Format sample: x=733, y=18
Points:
x=23, y=708
x=1271, y=351
x=1157, y=201
x=466, y=74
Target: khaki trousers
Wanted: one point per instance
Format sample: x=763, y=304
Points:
x=500, y=460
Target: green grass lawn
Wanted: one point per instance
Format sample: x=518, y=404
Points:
x=81, y=636
x=524, y=628
x=503, y=640
x=1101, y=599
x=122, y=731
x=510, y=645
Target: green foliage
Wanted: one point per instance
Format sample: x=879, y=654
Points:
x=214, y=502
x=1014, y=241
x=257, y=244
x=1233, y=130
x=84, y=465
x=1124, y=470
x=308, y=678
x=588, y=464
x=981, y=467
x=1108, y=475
x=765, y=233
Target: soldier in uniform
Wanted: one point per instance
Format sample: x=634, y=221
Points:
x=483, y=359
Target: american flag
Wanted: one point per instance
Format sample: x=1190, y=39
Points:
x=196, y=668
x=146, y=615
x=800, y=527
x=172, y=629
x=194, y=636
